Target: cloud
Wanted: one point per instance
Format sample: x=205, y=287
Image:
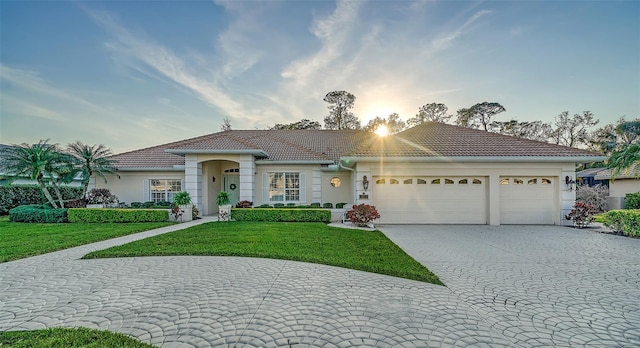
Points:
x=446, y=39
x=25, y=108
x=157, y=61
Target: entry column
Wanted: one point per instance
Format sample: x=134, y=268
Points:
x=193, y=179
x=247, y=178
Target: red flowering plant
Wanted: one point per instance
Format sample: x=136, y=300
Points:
x=581, y=214
x=362, y=214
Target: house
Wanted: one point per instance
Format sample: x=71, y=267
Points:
x=587, y=177
x=620, y=185
x=432, y=173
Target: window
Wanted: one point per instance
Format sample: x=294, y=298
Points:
x=463, y=181
x=477, y=181
x=284, y=187
x=518, y=181
x=546, y=181
x=393, y=181
x=448, y=181
x=232, y=170
x=504, y=181
x=408, y=182
x=164, y=189
x=532, y=181
x=335, y=181
x=421, y=182
x=380, y=181
x=435, y=181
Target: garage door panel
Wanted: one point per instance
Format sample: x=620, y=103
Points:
x=431, y=200
x=527, y=200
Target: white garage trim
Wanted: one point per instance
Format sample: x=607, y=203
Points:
x=431, y=199
x=527, y=200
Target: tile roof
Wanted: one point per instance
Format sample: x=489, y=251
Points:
x=631, y=173
x=427, y=140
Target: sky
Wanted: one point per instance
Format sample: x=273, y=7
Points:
x=133, y=74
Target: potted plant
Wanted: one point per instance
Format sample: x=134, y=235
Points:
x=224, y=206
x=183, y=200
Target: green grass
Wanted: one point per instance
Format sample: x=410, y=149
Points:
x=308, y=242
x=19, y=240
x=68, y=338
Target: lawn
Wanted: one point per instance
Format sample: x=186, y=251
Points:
x=308, y=242
x=19, y=240
x=68, y=338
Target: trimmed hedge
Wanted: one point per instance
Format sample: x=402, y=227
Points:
x=117, y=215
x=626, y=222
x=38, y=213
x=281, y=215
x=13, y=196
x=632, y=201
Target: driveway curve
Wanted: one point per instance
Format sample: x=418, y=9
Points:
x=537, y=285
x=233, y=302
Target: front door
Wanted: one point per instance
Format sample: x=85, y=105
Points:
x=231, y=185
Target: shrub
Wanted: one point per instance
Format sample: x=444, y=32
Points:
x=147, y=204
x=164, y=204
x=16, y=195
x=222, y=198
x=182, y=198
x=264, y=206
x=362, y=214
x=244, y=204
x=136, y=205
x=281, y=215
x=632, y=201
x=328, y=205
x=278, y=205
x=581, y=214
x=595, y=196
x=340, y=205
x=626, y=222
x=77, y=203
x=315, y=205
x=101, y=196
x=291, y=205
x=117, y=215
x=194, y=212
x=38, y=213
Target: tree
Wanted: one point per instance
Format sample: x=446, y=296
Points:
x=226, y=125
x=91, y=160
x=572, y=131
x=535, y=130
x=609, y=138
x=393, y=123
x=479, y=115
x=37, y=162
x=434, y=112
x=302, y=124
x=625, y=159
x=340, y=102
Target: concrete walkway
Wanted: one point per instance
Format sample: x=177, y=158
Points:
x=537, y=285
x=234, y=302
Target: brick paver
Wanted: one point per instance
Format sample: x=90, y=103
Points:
x=537, y=285
x=238, y=302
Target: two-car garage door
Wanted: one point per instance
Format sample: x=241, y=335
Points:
x=462, y=200
x=434, y=200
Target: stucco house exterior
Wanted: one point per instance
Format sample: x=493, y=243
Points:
x=432, y=173
x=620, y=185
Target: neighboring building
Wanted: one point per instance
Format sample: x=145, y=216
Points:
x=620, y=185
x=587, y=177
x=431, y=173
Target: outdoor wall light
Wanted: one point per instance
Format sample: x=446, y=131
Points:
x=569, y=183
x=213, y=179
x=365, y=182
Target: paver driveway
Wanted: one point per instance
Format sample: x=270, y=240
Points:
x=235, y=302
x=537, y=285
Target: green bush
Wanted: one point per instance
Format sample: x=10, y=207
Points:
x=328, y=205
x=340, y=205
x=117, y=215
x=632, y=201
x=281, y=215
x=626, y=222
x=147, y=204
x=315, y=204
x=279, y=205
x=16, y=195
x=264, y=206
x=136, y=205
x=38, y=213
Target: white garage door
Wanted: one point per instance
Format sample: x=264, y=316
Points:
x=527, y=200
x=432, y=200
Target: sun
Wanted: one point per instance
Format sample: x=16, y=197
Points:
x=382, y=130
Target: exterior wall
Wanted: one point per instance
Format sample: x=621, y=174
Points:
x=563, y=200
x=341, y=194
x=130, y=187
x=620, y=187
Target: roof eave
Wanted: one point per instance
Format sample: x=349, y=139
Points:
x=296, y=162
x=176, y=168
x=554, y=159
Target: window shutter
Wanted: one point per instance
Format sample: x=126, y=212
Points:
x=265, y=187
x=146, y=195
x=303, y=188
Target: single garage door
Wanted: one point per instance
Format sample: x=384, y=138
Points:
x=527, y=200
x=430, y=200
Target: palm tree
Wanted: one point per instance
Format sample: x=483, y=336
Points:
x=37, y=162
x=91, y=160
